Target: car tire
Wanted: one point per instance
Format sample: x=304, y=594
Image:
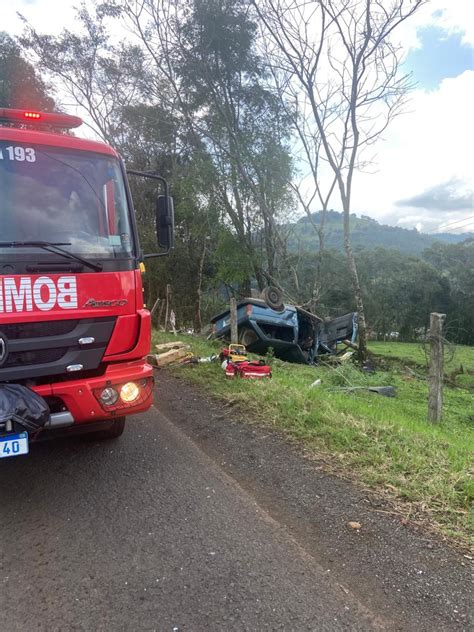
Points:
x=273, y=297
x=247, y=337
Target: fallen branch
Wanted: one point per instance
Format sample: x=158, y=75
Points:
x=350, y=344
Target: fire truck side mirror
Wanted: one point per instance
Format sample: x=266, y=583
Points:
x=165, y=221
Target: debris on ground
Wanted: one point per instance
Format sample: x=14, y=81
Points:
x=386, y=391
x=354, y=525
x=177, y=352
x=340, y=359
x=235, y=363
x=170, y=352
x=165, y=346
x=192, y=359
x=212, y=358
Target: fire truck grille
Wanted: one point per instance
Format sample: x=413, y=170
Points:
x=42, y=350
x=34, y=357
x=38, y=330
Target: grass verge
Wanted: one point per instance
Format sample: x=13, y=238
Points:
x=386, y=443
x=414, y=352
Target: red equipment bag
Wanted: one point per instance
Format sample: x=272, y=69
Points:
x=247, y=369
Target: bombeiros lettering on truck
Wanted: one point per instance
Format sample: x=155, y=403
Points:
x=24, y=294
x=74, y=332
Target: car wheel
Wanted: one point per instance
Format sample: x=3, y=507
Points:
x=247, y=337
x=273, y=297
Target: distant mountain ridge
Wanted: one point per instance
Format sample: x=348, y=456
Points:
x=366, y=233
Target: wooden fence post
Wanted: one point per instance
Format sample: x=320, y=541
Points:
x=168, y=298
x=436, y=368
x=234, y=336
x=155, y=305
x=160, y=312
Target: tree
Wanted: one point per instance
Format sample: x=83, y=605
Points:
x=20, y=84
x=401, y=291
x=340, y=57
x=204, y=51
x=103, y=78
x=154, y=141
x=456, y=264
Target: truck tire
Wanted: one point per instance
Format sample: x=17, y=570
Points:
x=273, y=297
x=113, y=432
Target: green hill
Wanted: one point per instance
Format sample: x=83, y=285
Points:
x=366, y=233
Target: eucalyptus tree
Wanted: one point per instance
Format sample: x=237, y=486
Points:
x=456, y=265
x=90, y=69
x=204, y=50
x=21, y=86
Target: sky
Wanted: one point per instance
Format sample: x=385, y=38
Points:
x=423, y=175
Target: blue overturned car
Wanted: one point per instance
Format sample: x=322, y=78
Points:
x=294, y=334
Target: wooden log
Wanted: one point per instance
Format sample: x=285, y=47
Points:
x=166, y=346
x=151, y=359
x=350, y=344
x=163, y=359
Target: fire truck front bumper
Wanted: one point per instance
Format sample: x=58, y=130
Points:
x=124, y=389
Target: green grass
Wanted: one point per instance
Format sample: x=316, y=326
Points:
x=455, y=356
x=385, y=443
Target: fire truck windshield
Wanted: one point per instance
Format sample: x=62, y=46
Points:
x=69, y=196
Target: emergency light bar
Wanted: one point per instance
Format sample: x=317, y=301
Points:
x=54, y=119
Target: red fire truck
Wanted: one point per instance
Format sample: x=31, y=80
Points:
x=73, y=327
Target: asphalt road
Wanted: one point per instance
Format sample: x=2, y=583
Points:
x=148, y=533
x=197, y=520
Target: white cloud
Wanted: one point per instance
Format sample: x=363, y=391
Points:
x=430, y=145
x=49, y=16
x=453, y=16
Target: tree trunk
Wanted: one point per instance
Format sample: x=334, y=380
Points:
x=351, y=263
x=234, y=334
x=198, y=318
x=318, y=282
x=246, y=288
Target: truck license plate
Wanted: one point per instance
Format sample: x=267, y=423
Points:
x=13, y=445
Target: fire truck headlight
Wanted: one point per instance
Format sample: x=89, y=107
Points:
x=129, y=392
x=109, y=396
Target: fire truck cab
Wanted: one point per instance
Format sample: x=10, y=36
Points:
x=73, y=327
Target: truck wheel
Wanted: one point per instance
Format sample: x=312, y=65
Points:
x=114, y=432
x=273, y=297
